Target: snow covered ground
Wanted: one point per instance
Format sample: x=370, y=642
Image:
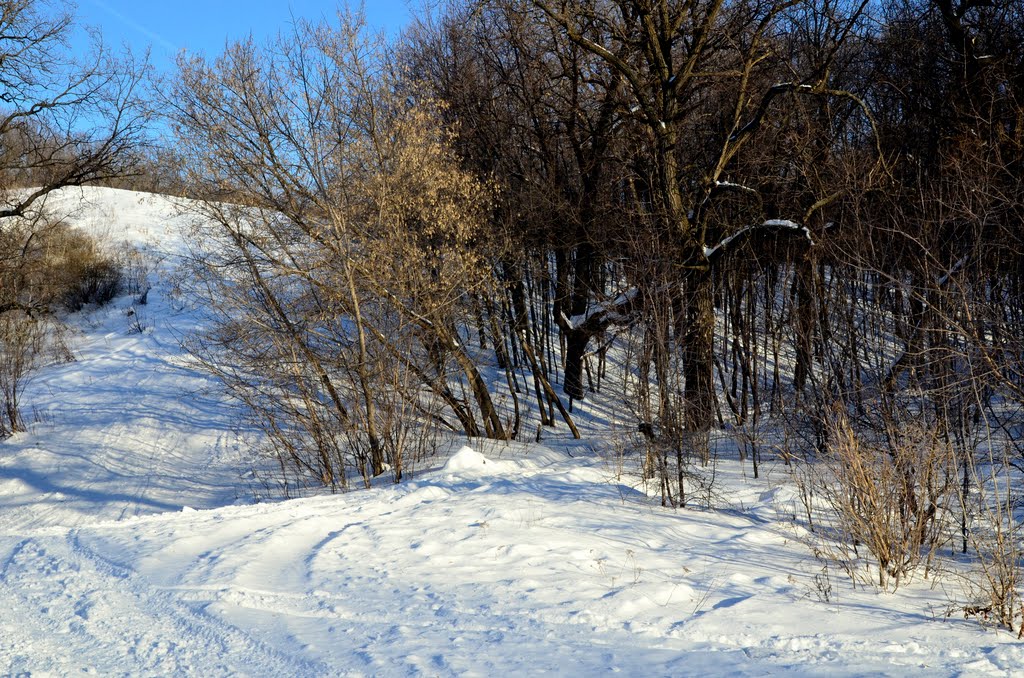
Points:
x=130, y=545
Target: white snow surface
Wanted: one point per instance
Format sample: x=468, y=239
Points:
x=130, y=545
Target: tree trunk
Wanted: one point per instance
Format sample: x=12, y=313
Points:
x=698, y=361
x=805, y=324
x=576, y=339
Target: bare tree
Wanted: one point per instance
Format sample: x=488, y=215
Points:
x=340, y=252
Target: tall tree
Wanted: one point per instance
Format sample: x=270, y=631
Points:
x=699, y=81
x=342, y=249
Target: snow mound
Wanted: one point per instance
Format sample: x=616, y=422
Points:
x=467, y=463
x=467, y=460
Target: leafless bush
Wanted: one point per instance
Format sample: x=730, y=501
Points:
x=138, y=319
x=337, y=302
x=891, y=492
x=675, y=455
x=46, y=265
x=994, y=582
x=22, y=344
x=137, y=268
x=88, y=274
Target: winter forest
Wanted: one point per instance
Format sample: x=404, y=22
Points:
x=697, y=238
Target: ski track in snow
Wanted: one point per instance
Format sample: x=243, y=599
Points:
x=517, y=561
x=87, y=614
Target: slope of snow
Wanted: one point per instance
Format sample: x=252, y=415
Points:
x=128, y=546
x=125, y=429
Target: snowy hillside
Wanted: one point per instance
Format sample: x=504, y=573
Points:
x=130, y=544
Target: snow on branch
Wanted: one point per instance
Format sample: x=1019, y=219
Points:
x=604, y=313
x=769, y=226
x=729, y=185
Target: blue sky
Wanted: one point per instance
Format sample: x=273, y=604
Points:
x=203, y=25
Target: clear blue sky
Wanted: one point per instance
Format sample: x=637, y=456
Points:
x=169, y=26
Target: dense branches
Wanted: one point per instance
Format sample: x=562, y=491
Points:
x=342, y=250
x=780, y=207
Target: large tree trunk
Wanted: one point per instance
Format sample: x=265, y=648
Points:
x=698, y=361
x=806, y=315
x=576, y=341
x=577, y=338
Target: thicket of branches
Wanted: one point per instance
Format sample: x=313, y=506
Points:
x=787, y=206
x=342, y=253
x=807, y=212
x=781, y=209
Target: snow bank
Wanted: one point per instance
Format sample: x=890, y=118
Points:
x=466, y=460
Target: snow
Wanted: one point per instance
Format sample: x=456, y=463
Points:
x=607, y=310
x=780, y=224
x=130, y=544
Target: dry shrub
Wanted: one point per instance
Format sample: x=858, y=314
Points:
x=48, y=265
x=137, y=266
x=44, y=265
x=994, y=586
x=890, y=492
x=84, y=273
x=338, y=307
x=22, y=348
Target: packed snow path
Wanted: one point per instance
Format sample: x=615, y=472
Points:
x=126, y=428
x=502, y=560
